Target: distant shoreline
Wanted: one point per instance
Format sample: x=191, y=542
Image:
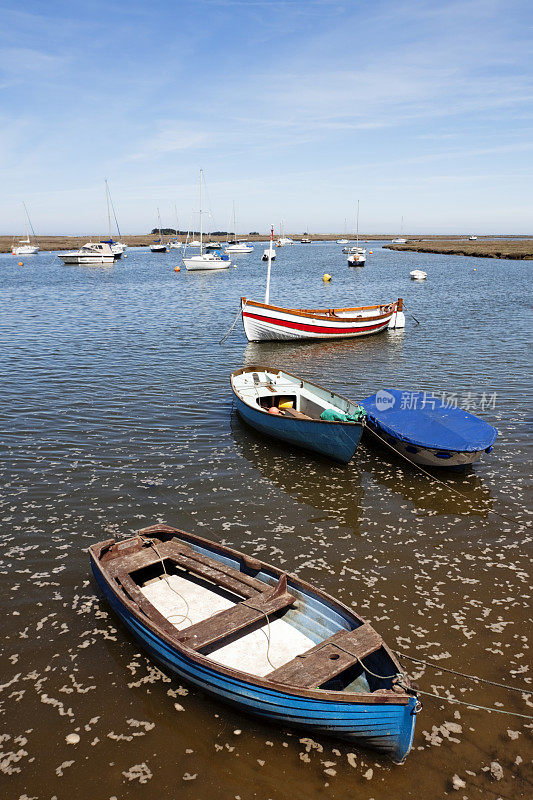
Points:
x=513, y=247
x=517, y=249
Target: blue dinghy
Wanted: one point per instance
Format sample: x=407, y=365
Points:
x=297, y=411
x=426, y=431
x=258, y=638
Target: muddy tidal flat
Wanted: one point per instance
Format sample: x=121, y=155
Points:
x=519, y=249
x=116, y=413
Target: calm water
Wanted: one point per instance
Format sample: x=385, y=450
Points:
x=116, y=413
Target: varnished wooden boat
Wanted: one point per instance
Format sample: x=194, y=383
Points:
x=297, y=405
x=266, y=323
x=258, y=638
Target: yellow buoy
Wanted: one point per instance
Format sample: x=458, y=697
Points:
x=475, y=269
x=177, y=269
x=327, y=277
x=370, y=253
x=20, y=264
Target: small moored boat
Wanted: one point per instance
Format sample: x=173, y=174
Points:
x=266, y=323
x=90, y=253
x=258, y=638
x=418, y=275
x=427, y=431
x=297, y=411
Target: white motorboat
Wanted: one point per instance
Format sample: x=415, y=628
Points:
x=350, y=250
x=356, y=260
x=472, y=238
x=90, y=253
x=27, y=247
x=194, y=243
x=305, y=240
x=342, y=241
x=283, y=241
x=209, y=260
x=175, y=245
x=418, y=275
x=239, y=247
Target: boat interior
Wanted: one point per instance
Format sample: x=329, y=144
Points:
x=292, y=396
x=239, y=613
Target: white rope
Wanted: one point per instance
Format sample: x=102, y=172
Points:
x=230, y=329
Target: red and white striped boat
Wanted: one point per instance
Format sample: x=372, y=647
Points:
x=266, y=323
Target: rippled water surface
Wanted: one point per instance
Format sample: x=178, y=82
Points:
x=116, y=413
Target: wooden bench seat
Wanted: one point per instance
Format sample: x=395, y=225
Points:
x=244, y=614
x=329, y=658
x=291, y=412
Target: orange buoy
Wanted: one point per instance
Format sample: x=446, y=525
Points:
x=177, y=269
x=21, y=264
x=370, y=253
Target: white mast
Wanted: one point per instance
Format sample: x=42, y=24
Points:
x=267, y=292
x=29, y=223
x=160, y=232
x=108, y=210
x=357, y=234
x=201, y=229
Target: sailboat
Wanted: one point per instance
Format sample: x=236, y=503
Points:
x=176, y=245
x=235, y=246
x=159, y=245
x=283, y=240
x=400, y=239
x=344, y=240
x=205, y=261
x=357, y=257
x=25, y=246
x=116, y=247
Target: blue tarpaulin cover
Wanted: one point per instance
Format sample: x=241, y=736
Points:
x=422, y=419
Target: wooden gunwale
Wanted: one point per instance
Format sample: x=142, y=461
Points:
x=302, y=381
x=381, y=697
x=324, y=314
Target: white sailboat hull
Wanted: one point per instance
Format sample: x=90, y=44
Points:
x=25, y=250
x=206, y=262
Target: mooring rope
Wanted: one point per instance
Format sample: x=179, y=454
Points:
x=446, y=485
x=474, y=705
x=230, y=329
x=185, y=616
x=462, y=674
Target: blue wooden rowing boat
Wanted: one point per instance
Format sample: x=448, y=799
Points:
x=427, y=431
x=256, y=637
x=299, y=412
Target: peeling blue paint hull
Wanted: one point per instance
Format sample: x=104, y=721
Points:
x=387, y=728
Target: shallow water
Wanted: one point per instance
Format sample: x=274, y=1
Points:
x=116, y=413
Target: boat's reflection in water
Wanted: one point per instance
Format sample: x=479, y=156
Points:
x=337, y=491
x=334, y=490
x=428, y=494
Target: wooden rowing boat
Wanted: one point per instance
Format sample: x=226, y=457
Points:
x=264, y=323
x=286, y=407
x=256, y=637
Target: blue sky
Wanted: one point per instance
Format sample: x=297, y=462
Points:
x=295, y=110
